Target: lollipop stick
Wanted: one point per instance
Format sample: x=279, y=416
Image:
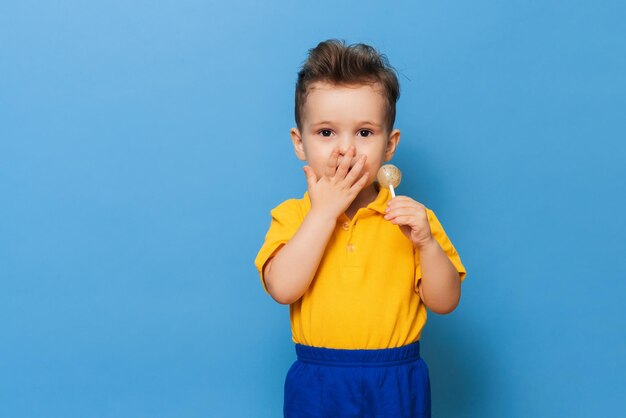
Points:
x=393, y=192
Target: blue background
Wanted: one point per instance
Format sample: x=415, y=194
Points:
x=143, y=144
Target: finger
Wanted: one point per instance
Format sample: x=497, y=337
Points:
x=404, y=201
x=397, y=212
x=403, y=220
x=355, y=172
x=311, y=178
x=416, y=214
x=412, y=208
x=331, y=166
x=344, y=166
x=360, y=184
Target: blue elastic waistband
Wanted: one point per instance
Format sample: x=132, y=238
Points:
x=358, y=358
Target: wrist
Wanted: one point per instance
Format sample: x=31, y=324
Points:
x=426, y=244
x=322, y=217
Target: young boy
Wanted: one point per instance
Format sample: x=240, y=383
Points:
x=357, y=267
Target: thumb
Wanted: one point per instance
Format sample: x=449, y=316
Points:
x=311, y=178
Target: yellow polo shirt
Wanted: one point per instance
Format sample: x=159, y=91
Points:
x=364, y=294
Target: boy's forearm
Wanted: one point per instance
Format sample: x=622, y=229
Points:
x=292, y=269
x=441, y=284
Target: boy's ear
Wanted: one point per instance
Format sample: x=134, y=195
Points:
x=298, y=145
x=392, y=143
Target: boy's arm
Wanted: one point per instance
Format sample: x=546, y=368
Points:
x=440, y=286
x=440, y=283
x=290, y=272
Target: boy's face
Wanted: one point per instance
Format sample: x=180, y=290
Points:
x=340, y=116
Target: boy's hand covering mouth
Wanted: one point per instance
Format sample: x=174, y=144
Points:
x=336, y=189
x=353, y=161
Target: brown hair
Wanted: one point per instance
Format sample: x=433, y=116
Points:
x=335, y=62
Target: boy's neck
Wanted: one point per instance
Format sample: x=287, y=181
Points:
x=364, y=198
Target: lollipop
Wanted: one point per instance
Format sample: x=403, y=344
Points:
x=389, y=176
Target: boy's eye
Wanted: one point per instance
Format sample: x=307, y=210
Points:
x=325, y=132
x=365, y=132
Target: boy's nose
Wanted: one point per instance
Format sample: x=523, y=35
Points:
x=343, y=151
x=344, y=145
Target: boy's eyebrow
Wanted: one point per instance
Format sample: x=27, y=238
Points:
x=365, y=122
x=322, y=123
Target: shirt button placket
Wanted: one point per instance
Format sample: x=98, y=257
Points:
x=350, y=247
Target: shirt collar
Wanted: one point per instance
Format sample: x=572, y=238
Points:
x=380, y=203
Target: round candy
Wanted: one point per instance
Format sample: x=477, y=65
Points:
x=389, y=174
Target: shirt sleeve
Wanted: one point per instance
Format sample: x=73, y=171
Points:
x=440, y=235
x=286, y=219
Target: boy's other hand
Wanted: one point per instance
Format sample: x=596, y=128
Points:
x=411, y=217
x=334, y=191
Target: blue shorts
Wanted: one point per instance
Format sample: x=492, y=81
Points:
x=333, y=383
